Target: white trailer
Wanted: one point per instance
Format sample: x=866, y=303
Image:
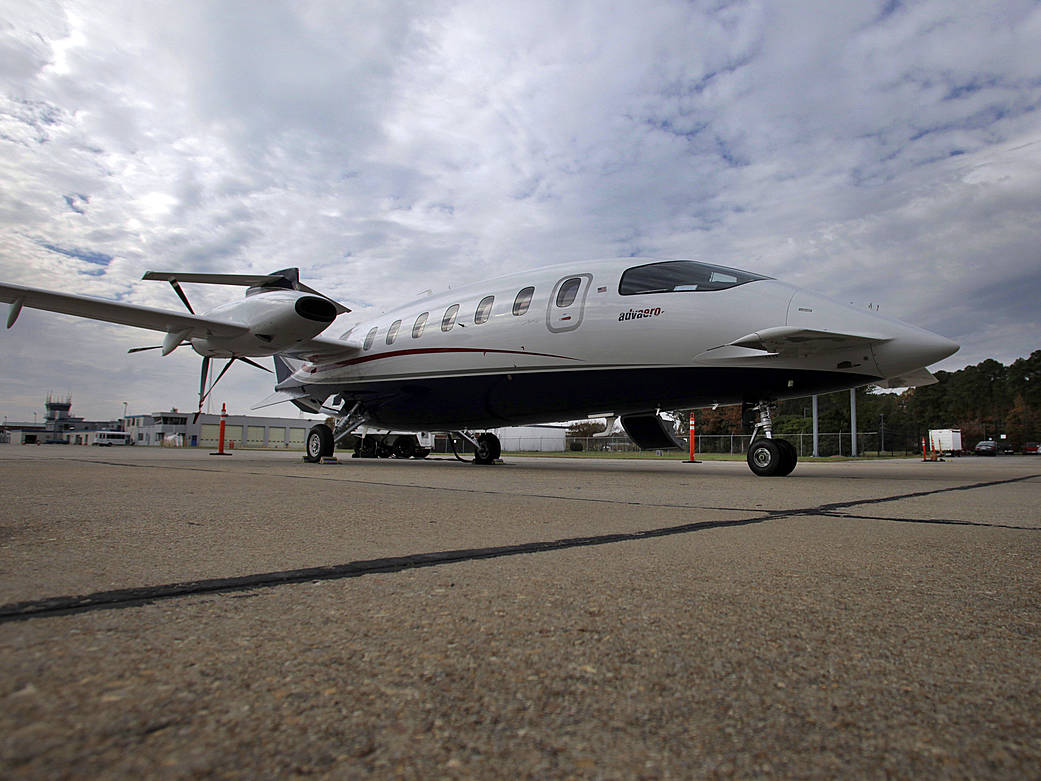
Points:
x=946, y=441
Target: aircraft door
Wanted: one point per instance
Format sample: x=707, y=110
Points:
x=567, y=303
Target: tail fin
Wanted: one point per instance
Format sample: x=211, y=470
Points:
x=283, y=369
x=286, y=278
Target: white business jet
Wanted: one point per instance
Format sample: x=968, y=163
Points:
x=623, y=338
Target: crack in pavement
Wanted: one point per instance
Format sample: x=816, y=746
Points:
x=133, y=597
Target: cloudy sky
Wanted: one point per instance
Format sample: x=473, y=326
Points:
x=878, y=152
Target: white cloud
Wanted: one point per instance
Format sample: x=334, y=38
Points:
x=878, y=153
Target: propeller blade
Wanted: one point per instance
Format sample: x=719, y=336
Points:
x=214, y=383
x=254, y=363
x=203, y=375
x=154, y=347
x=180, y=294
x=202, y=387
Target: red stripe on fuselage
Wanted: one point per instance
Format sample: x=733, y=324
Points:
x=424, y=351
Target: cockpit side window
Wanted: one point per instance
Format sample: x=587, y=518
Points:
x=523, y=301
x=674, y=276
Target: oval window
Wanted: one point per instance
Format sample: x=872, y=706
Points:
x=568, y=292
x=392, y=334
x=484, y=310
x=421, y=323
x=449, y=319
x=523, y=301
x=370, y=337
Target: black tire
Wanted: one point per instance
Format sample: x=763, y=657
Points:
x=421, y=452
x=791, y=457
x=319, y=443
x=766, y=458
x=488, y=449
x=366, y=447
x=383, y=450
x=404, y=447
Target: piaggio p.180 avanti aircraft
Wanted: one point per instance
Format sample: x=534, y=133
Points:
x=626, y=338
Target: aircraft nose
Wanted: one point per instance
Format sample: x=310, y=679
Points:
x=912, y=348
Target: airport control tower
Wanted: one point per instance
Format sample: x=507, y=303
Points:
x=57, y=416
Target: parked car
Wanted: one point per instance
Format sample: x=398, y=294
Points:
x=987, y=447
x=1030, y=448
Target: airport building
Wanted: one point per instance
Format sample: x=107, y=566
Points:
x=547, y=438
x=185, y=429
x=182, y=429
x=58, y=426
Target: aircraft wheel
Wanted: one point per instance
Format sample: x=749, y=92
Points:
x=421, y=452
x=404, y=447
x=319, y=443
x=488, y=449
x=366, y=447
x=383, y=450
x=766, y=458
x=791, y=457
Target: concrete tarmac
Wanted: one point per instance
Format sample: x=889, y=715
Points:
x=169, y=614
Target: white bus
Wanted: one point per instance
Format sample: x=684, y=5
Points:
x=110, y=438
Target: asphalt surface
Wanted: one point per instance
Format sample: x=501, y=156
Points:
x=169, y=614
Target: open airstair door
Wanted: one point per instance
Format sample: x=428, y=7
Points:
x=650, y=432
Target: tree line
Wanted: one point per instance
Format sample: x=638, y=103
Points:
x=985, y=401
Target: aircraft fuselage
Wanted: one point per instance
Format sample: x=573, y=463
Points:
x=585, y=343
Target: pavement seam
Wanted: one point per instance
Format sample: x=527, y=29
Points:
x=135, y=597
x=824, y=508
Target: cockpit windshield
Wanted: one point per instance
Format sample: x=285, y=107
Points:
x=674, y=276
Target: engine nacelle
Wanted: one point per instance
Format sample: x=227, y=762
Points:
x=276, y=321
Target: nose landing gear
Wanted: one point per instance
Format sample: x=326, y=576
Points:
x=769, y=457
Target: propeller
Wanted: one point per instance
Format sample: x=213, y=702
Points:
x=288, y=278
x=204, y=374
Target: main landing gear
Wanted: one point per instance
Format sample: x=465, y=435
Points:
x=322, y=440
x=487, y=448
x=319, y=443
x=769, y=457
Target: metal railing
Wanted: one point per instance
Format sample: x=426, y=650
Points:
x=837, y=443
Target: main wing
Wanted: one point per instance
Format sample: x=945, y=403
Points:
x=114, y=312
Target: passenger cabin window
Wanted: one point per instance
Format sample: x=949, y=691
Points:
x=421, y=323
x=484, y=310
x=392, y=333
x=370, y=337
x=675, y=276
x=568, y=291
x=523, y=301
x=449, y=319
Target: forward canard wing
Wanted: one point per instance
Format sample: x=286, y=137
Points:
x=915, y=379
x=788, y=342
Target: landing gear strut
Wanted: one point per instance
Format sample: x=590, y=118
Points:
x=321, y=440
x=769, y=457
